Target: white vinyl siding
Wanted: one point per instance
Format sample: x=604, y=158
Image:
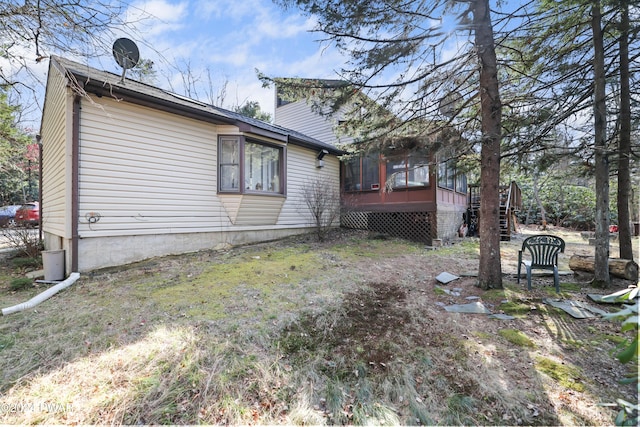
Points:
x=143, y=171
x=301, y=171
x=299, y=117
x=231, y=203
x=56, y=133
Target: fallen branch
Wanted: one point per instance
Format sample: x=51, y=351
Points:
x=624, y=268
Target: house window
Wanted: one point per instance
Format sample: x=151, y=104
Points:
x=229, y=155
x=371, y=172
x=362, y=173
x=410, y=171
x=248, y=166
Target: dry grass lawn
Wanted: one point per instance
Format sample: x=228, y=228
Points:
x=349, y=331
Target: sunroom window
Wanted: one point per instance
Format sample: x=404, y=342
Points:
x=408, y=171
x=461, y=183
x=362, y=173
x=449, y=177
x=446, y=174
x=249, y=166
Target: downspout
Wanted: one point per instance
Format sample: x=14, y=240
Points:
x=73, y=277
x=75, y=165
x=42, y=296
x=39, y=141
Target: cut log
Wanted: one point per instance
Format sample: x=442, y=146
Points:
x=624, y=268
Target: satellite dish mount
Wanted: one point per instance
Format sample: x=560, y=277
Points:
x=126, y=54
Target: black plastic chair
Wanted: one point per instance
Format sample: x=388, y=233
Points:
x=543, y=250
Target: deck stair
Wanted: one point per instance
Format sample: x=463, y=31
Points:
x=510, y=205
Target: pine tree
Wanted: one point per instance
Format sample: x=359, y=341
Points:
x=398, y=58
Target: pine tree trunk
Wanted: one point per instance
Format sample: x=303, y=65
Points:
x=624, y=142
x=490, y=271
x=602, y=214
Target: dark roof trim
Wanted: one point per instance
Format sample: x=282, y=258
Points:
x=247, y=128
x=101, y=89
x=102, y=83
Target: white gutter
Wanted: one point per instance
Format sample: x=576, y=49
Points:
x=42, y=296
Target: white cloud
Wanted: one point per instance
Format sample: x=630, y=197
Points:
x=156, y=17
x=240, y=92
x=269, y=25
x=238, y=57
x=321, y=63
x=242, y=9
x=232, y=10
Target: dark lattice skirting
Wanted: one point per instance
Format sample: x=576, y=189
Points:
x=415, y=226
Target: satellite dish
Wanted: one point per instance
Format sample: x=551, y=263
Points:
x=126, y=54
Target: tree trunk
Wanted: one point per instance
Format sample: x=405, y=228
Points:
x=490, y=271
x=624, y=142
x=624, y=268
x=536, y=197
x=602, y=214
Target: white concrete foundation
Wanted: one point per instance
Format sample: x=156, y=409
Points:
x=100, y=252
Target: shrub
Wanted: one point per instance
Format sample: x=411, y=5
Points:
x=20, y=283
x=322, y=198
x=26, y=240
x=26, y=262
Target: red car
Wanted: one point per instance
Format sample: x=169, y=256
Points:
x=28, y=214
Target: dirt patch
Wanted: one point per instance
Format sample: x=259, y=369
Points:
x=370, y=320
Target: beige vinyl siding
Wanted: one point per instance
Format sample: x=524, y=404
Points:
x=228, y=130
x=231, y=203
x=56, y=133
x=144, y=171
x=259, y=210
x=250, y=210
x=302, y=170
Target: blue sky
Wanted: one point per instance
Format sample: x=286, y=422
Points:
x=226, y=41
x=219, y=41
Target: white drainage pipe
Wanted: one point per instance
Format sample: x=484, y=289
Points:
x=42, y=296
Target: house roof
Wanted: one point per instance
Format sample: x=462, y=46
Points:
x=90, y=81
